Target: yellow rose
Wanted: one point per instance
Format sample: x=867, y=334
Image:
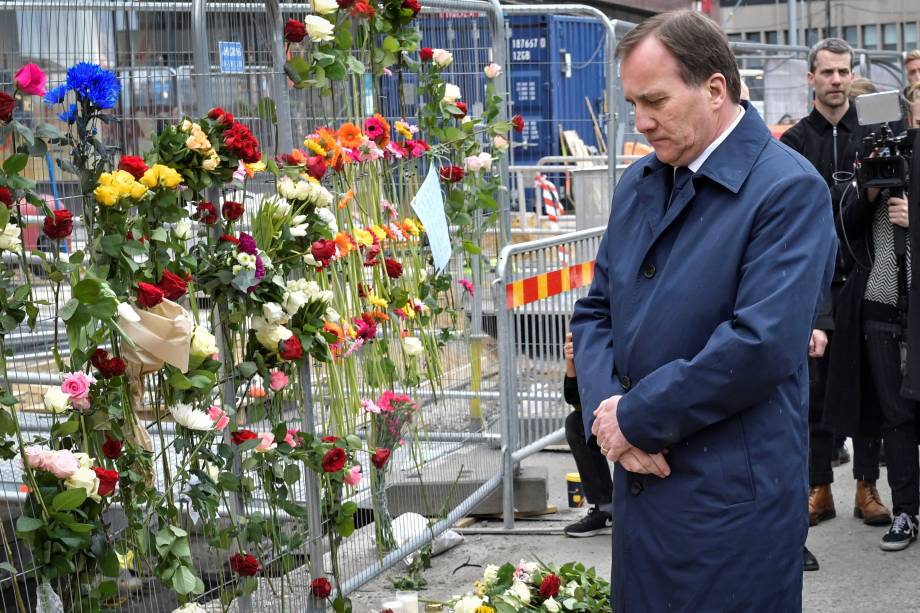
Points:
x=105, y=178
x=152, y=176
x=138, y=191
x=211, y=163
x=106, y=195
x=123, y=182
x=170, y=177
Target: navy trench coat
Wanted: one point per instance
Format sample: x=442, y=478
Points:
x=700, y=316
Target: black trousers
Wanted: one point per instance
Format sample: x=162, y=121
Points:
x=592, y=465
x=822, y=442
x=899, y=416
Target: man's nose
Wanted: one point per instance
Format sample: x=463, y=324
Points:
x=644, y=122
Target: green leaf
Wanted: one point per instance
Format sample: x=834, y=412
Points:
x=291, y=474
x=91, y=291
x=110, y=564
x=184, y=580
x=336, y=71
x=390, y=44
x=69, y=308
x=27, y=524
x=355, y=65
x=76, y=257
x=297, y=69
x=471, y=247
x=267, y=110
x=159, y=235
x=69, y=499
x=246, y=369
x=323, y=59
x=65, y=428
x=15, y=163
x=179, y=381
x=111, y=244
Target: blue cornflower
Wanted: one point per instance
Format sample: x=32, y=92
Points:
x=70, y=115
x=56, y=95
x=89, y=81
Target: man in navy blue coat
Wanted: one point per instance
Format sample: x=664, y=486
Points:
x=691, y=344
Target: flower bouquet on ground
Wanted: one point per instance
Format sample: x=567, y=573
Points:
x=535, y=586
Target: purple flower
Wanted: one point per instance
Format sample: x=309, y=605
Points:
x=260, y=268
x=248, y=245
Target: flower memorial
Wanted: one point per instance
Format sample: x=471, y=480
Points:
x=204, y=291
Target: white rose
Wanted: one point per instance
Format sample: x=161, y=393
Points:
x=203, y=343
x=56, y=400
x=520, y=591
x=493, y=70
x=468, y=604
x=325, y=295
x=475, y=163
x=319, y=29
x=552, y=605
x=183, y=230
x=85, y=478
x=309, y=260
x=323, y=7
x=328, y=218
x=451, y=93
x=212, y=471
x=332, y=315
x=84, y=460
x=9, y=238
x=413, y=346
x=302, y=191
x=500, y=143
x=442, y=57
x=490, y=574
x=191, y=607
x=270, y=336
x=293, y=301
x=273, y=313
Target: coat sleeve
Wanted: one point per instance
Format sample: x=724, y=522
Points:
x=592, y=334
x=785, y=271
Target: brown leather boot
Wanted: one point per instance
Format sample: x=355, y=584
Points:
x=869, y=507
x=820, y=504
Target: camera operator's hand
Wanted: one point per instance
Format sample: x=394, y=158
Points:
x=897, y=211
x=817, y=344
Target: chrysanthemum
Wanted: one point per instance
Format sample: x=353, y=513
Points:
x=193, y=419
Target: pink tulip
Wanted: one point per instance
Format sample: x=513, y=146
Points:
x=31, y=80
x=353, y=475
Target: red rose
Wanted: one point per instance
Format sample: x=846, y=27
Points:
x=173, y=286
x=344, y=4
x=550, y=586
x=323, y=250
x=451, y=174
x=330, y=439
x=133, y=164
x=7, y=104
x=321, y=587
x=294, y=31
x=240, y=141
x=394, y=268
x=291, y=349
x=232, y=210
x=334, y=460
x=111, y=448
x=316, y=167
x=241, y=436
x=149, y=295
x=215, y=113
x=99, y=357
x=59, y=225
x=412, y=4
x=425, y=54
x=108, y=367
x=108, y=479
x=380, y=457
x=245, y=565
x=461, y=108
x=205, y=212
x=363, y=7
x=227, y=119
x=6, y=196
x=517, y=122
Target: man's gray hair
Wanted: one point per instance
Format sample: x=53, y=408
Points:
x=837, y=46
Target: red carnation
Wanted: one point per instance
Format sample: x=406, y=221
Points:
x=380, y=457
x=245, y=565
x=550, y=586
x=412, y=4
x=173, y=286
x=291, y=349
x=334, y=460
x=108, y=479
x=517, y=122
x=330, y=439
x=59, y=225
x=206, y=212
x=425, y=54
x=462, y=110
x=229, y=238
x=451, y=174
x=232, y=210
x=321, y=587
x=394, y=268
x=7, y=104
x=344, y=4
x=323, y=250
x=6, y=196
x=294, y=31
x=133, y=164
x=316, y=167
x=149, y=295
x=215, y=113
x=241, y=436
x=111, y=448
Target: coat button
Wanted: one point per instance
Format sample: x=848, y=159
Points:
x=626, y=383
x=649, y=271
x=636, y=487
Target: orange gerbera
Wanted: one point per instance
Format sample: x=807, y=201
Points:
x=380, y=315
x=350, y=135
x=326, y=138
x=390, y=234
x=384, y=139
x=333, y=328
x=346, y=198
x=344, y=243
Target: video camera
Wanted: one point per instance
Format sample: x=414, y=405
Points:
x=885, y=163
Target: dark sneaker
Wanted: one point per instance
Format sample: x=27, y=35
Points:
x=595, y=522
x=901, y=534
x=810, y=562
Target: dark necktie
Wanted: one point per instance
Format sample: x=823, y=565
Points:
x=681, y=175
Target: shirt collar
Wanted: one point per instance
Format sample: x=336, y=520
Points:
x=696, y=164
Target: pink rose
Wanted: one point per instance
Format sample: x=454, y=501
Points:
x=219, y=417
x=37, y=457
x=292, y=439
x=353, y=475
x=268, y=442
x=63, y=464
x=31, y=80
x=279, y=381
x=76, y=385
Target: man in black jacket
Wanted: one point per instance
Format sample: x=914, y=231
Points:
x=830, y=138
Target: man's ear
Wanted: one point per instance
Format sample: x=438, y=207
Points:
x=718, y=89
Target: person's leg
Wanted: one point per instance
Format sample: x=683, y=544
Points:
x=820, y=446
x=868, y=503
x=595, y=478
